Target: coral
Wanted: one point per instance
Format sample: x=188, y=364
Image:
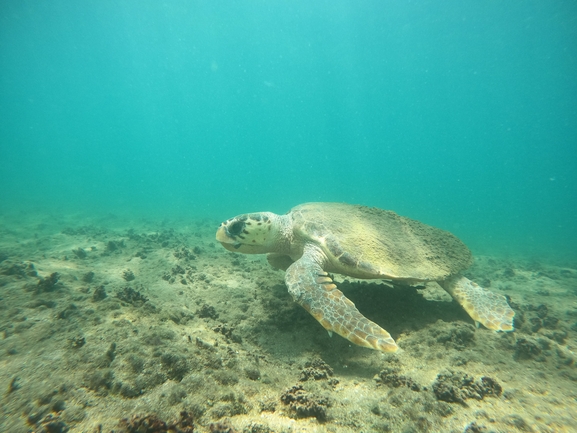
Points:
x=207, y=311
x=88, y=277
x=131, y=296
x=69, y=311
x=153, y=424
x=184, y=254
x=178, y=270
x=48, y=284
x=51, y=424
x=176, y=365
x=390, y=376
x=99, y=381
x=475, y=428
x=222, y=427
x=518, y=422
x=302, y=405
x=255, y=427
x=84, y=230
x=14, y=385
x=114, y=245
x=550, y=322
x=253, y=373
x=457, y=335
x=80, y=253
x=228, y=332
x=128, y=275
x=316, y=369
x=526, y=349
x=99, y=294
x=18, y=270
x=456, y=387
x=77, y=342
x=179, y=273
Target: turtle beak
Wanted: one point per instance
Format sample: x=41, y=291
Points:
x=226, y=239
x=223, y=235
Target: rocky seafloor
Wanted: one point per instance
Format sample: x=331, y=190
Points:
x=109, y=324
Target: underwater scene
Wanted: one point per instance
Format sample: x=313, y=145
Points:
x=288, y=216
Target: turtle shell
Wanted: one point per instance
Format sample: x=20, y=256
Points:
x=366, y=242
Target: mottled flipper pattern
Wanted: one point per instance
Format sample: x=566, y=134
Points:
x=312, y=288
x=485, y=307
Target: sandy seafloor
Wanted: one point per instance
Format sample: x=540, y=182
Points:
x=105, y=319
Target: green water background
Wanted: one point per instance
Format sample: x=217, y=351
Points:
x=462, y=114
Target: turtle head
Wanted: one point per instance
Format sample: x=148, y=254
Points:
x=252, y=233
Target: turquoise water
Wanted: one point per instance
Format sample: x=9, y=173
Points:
x=460, y=114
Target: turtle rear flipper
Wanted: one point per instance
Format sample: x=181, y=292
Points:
x=485, y=307
x=311, y=287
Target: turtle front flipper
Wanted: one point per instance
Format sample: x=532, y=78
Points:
x=484, y=306
x=311, y=287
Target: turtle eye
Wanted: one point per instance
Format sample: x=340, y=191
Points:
x=236, y=228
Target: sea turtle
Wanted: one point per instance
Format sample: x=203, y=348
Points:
x=313, y=239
